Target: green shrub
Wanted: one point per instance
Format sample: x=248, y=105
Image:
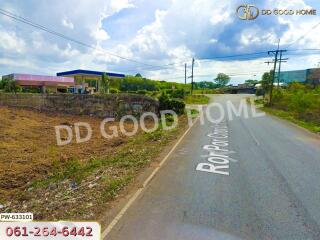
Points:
x=144, y=92
x=196, y=99
x=114, y=90
x=168, y=91
x=153, y=94
x=177, y=106
x=169, y=118
x=301, y=101
x=165, y=103
x=296, y=86
x=9, y=85
x=178, y=93
x=134, y=92
x=260, y=92
x=277, y=95
x=32, y=90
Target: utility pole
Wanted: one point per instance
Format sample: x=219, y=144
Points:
x=276, y=55
x=273, y=74
x=192, y=75
x=185, y=73
x=279, y=69
x=281, y=60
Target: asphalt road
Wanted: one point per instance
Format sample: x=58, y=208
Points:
x=272, y=190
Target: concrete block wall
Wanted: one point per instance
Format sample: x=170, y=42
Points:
x=112, y=105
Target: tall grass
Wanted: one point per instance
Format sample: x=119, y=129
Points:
x=301, y=101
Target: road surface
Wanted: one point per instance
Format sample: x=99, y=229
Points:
x=272, y=190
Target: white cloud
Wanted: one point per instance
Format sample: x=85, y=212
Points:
x=288, y=4
x=100, y=34
x=297, y=25
x=151, y=39
x=257, y=35
x=220, y=16
x=14, y=66
x=11, y=42
x=69, y=52
x=117, y=5
x=179, y=31
x=67, y=23
x=213, y=40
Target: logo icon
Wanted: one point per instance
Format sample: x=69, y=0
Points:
x=247, y=12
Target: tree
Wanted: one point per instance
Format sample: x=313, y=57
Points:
x=138, y=75
x=251, y=82
x=266, y=81
x=222, y=80
x=205, y=85
x=104, y=86
x=314, y=77
x=9, y=85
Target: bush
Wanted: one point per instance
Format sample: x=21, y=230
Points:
x=178, y=93
x=277, y=95
x=153, y=94
x=299, y=100
x=130, y=83
x=9, y=85
x=114, y=90
x=144, y=92
x=133, y=92
x=177, y=106
x=260, y=92
x=295, y=86
x=32, y=90
x=196, y=99
x=165, y=103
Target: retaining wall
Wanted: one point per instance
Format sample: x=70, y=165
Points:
x=111, y=105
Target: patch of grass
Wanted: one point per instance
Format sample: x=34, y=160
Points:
x=313, y=127
x=113, y=186
x=130, y=157
x=298, y=103
x=83, y=188
x=194, y=113
x=196, y=99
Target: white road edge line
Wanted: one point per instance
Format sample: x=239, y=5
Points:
x=146, y=182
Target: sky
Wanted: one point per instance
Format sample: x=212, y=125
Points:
x=155, y=38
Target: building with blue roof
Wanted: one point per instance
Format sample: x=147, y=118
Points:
x=87, y=80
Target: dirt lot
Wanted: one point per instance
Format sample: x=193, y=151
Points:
x=74, y=181
x=28, y=145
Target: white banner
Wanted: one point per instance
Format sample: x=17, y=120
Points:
x=50, y=230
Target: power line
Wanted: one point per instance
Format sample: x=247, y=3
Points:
x=43, y=28
x=155, y=68
x=304, y=49
x=304, y=35
x=212, y=75
x=289, y=52
x=254, y=55
x=232, y=56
